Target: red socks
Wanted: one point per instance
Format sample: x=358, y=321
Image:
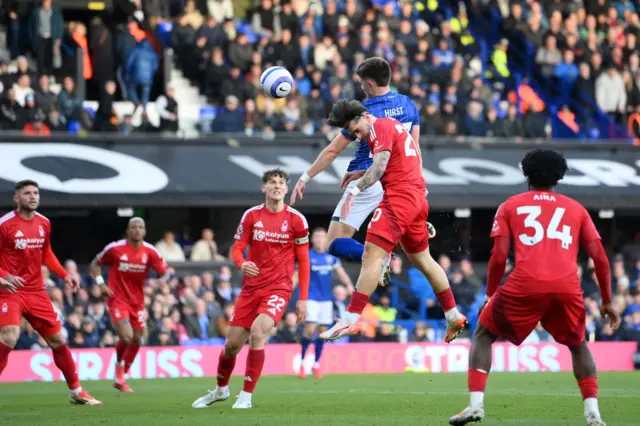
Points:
x=120, y=348
x=64, y=361
x=477, y=380
x=129, y=355
x=255, y=361
x=4, y=356
x=225, y=368
x=358, y=302
x=446, y=299
x=588, y=387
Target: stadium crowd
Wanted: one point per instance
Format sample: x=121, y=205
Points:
x=587, y=48
x=195, y=309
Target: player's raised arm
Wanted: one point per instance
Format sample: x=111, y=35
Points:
x=243, y=234
x=324, y=160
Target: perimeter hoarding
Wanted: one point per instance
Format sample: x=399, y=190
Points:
x=360, y=358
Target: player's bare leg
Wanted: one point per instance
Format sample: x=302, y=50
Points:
x=308, y=332
x=440, y=283
x=340, y=243
x=479, y=367
x=372, y=261
x=9, y=336
x=129, y=343
x=65, y=363
x=584, y=369
x=236, y=337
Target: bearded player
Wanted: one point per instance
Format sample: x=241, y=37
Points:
x=401, y=216
x=375, y=75
x=277, y=236
x=25, y=245
x=130, y=260
x=546, y=229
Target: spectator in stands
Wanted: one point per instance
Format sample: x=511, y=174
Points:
x=27, y=115
x=23, y=89
x=420, y=333
x=220, y=10
x=45, y=98
x=206, y=249
x=140, y=70
x=432, y=123
x=611, y=94
x=238, y=86
x=192, y=14
x=463, y=290
x=512, y=126
x=9, y=110
x=289, y=332
x=324, y=53
x=69, y=103
x=18, y=27
x=215, y=74
x=475, y=121
x=79, y=35
x=101, y=45
x=567, y=70
x=169, y=249
x=168, y=111
x=46, y=27
x=240, y=53
x=106, y=119
x=493, y=125
x=549, y=56
x=230, y=118
x=202, y=324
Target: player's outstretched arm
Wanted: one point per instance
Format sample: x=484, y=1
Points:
x=597, y=252
x=51, y=261
x=324, y=160
x=304, y=277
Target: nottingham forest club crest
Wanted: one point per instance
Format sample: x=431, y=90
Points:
x=285, y=226
x=41, y=229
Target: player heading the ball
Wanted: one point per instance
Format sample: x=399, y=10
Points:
x=401, y=216
x=546, y=229
x=277, y=236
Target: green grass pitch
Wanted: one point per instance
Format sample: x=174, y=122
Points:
x=400, y=399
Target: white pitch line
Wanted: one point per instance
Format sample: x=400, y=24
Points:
x=503, y=392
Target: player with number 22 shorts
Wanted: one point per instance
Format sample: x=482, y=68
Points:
x=277, y=236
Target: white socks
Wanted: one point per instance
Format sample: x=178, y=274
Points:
x=477, y=398
x=591, y=406
x=244, y=395
x=75, y=392
x=221, y=389
x=351, y=317
x=451, y=315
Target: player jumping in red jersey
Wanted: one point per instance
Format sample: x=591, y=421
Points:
x=544, y=286
x=25, y=245
x=130, y=260
x=277, y=235
x=401, y=217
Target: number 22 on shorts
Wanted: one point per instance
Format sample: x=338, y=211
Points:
x=552, y=233
x=275, y=303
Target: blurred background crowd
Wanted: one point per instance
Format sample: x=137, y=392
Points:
x=194, y=309
x=482, y=68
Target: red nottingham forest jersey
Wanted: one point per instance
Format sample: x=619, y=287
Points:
x=547, y=229
x=23, y=244
x=403, y=172
x=129, y=268
x=272, y=238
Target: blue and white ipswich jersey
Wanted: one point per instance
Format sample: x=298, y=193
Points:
x=321, y=283
x=392, y=105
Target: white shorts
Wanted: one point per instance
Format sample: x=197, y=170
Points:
x=364, y=204
x=320, y=312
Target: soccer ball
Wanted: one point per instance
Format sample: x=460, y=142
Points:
x=276, y=82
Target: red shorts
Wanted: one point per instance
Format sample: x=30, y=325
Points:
x=514, y=316
x=122, y=310
x=250, y=304
x=36, y=307
x=400, y=219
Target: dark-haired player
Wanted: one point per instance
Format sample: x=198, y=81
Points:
x=401, y=216
x=546, y=229
x=25, y=245
x=277, y=236
x=130, y=260
x=375, y=75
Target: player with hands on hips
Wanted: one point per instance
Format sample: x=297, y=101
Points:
x=277, y=236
